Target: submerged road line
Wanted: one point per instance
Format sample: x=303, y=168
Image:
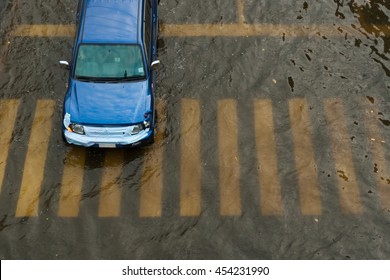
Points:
x=152, y=174
x=44, y=30
x=342, y=156
x=206, y=30
x=270, y=190
x=229, y=163
x=110, y=190
x=8, y=112
x=152, y=182
x=34, y=165
x=309, y=193
x=240, y=11
x=238, y=29
x=378, y=151
x=251, y=30
x=190, y=169
x=72, y=183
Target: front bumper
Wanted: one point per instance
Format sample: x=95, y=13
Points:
x=109, y=141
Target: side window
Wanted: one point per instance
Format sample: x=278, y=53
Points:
x=147, y=27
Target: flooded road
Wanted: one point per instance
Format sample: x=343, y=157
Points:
x=273, y=138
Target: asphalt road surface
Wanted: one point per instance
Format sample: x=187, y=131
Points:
x=273, y=137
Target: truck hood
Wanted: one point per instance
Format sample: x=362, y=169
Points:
x=107, y=103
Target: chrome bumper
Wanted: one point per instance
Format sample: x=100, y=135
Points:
x=107, y=140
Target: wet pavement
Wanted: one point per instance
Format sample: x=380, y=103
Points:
x=272, y=143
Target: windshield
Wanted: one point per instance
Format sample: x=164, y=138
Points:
x=109, y=62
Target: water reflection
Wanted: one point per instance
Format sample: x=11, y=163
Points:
x=372, y=16
x=374, y=24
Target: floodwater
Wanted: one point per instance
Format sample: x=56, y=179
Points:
x=272, y=141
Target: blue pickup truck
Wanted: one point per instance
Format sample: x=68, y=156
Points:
x=109, y=102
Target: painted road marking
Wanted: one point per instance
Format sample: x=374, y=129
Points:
x=208, y=30
x=251, y=30
x=270, y=191
x=379, y=152
x=342, y=156
x=34, y=165
x=110, y=191
x=240, y=11
x=152, y=174
x=190, y=204
x=44, y=30
x=190, y=191
x=310, y=198
x=8, y=112
x=72, y=182
x=229, y=163
x=152, y=182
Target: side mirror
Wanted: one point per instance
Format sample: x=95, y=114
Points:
x=155, y=64
x=65, y=63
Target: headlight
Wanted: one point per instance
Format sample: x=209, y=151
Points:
x=136, y=129
x=72, y=127
x=76, y=128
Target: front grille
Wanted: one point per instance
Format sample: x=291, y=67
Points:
x=106, y=131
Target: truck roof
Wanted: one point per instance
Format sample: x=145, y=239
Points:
x=110, y=21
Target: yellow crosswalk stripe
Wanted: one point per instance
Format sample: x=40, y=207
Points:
x=152, y=175
x=270, y=194
x=229, y=163
x=8, y=111
x=190, y=194
x=309, y=193
x=110, y=191
x=34, y=166
x=151, y=183
x=72, y=182
x=342, y=156
x=378, y=150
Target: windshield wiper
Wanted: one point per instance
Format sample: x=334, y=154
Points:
x=87, y=78
x=108, y=79
x=131, y=78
